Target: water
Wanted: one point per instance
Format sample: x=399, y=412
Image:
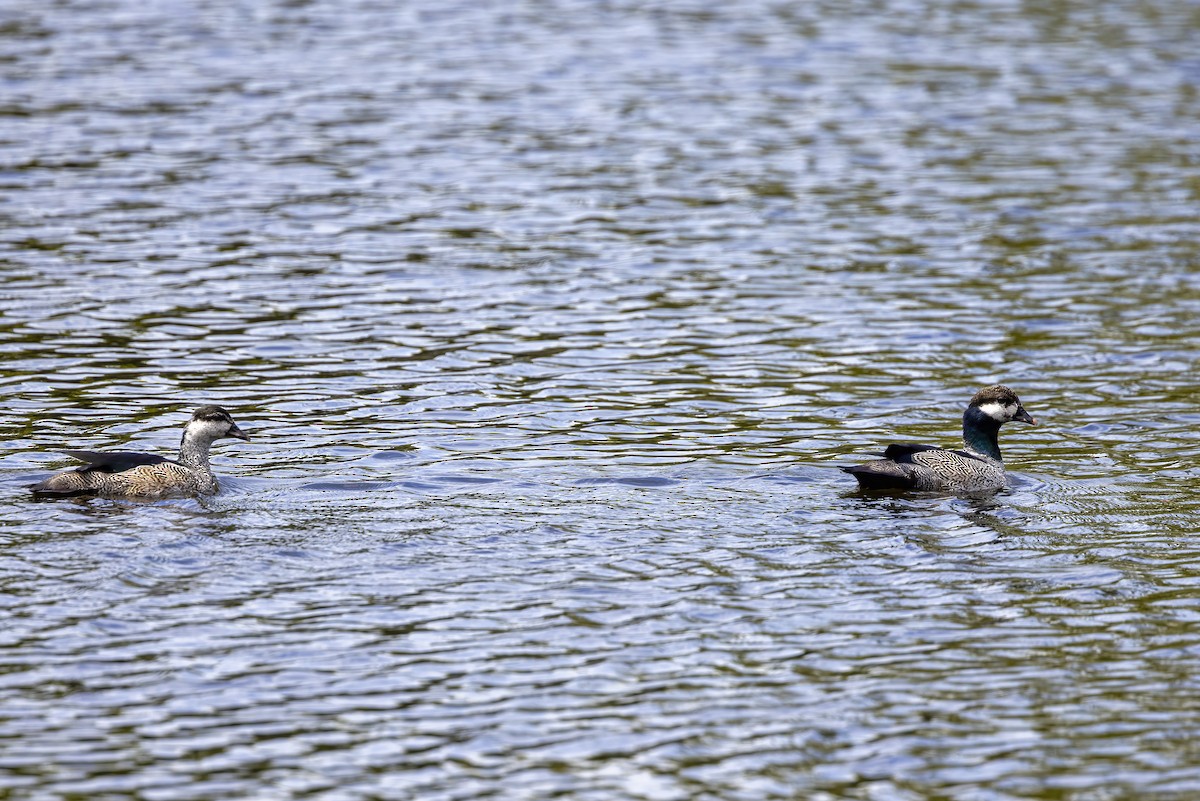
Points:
x=550, y=322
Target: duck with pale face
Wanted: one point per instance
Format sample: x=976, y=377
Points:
x=127, y=474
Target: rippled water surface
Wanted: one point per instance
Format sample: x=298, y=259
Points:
x=550, y=322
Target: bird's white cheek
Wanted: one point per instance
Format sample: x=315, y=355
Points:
x=997, y=412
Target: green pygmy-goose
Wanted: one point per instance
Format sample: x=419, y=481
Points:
x=125, y=474
x=977, y=469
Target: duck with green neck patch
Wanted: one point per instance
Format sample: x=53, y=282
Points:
x=978, y=469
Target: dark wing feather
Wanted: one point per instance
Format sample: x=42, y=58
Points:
x=903, y=452
x=882, y=474
x=894, y=471
x=114, y=461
